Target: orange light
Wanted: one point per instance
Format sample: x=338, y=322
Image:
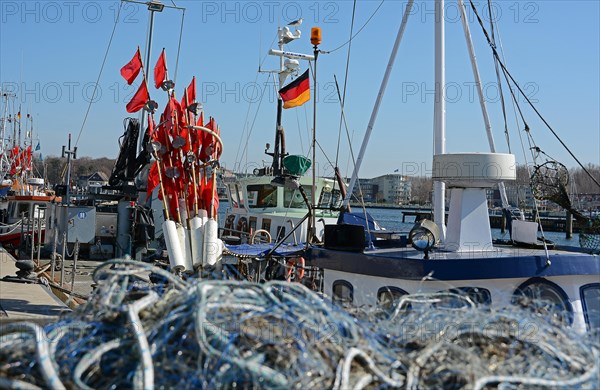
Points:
x=315, y=36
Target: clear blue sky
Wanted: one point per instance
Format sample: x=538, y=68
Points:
x=51, y=53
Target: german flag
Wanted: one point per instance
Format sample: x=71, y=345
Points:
x=297, y=92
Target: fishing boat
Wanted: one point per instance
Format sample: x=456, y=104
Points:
x=359, y=267
x=272, y=202
x=24, y=197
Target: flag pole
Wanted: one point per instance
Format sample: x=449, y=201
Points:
x=162, y=187
x=315, y=39
x=192, y=163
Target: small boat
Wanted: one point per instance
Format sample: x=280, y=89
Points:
x=363, y=266
x=267, y=204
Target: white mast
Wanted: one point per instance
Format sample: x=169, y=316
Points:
x=439, y=119
x=486, y=118
x=375, y=111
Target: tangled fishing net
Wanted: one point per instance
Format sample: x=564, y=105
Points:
x=550, y=181
x=227, y=334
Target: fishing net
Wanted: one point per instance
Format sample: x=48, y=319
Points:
x=550, y=181
x=230, y=334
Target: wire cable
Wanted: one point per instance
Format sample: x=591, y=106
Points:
x=87, y=112
x=505, y=70
x=358, y=32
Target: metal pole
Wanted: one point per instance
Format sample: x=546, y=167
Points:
x=75, y=256
x=477, y=77
x=40, y=235
x=382, y=88
x=33, y=228
x=68, y=192
x=313, y=218
x=22, y=240
x=277, y=152
x=54, y=255
x=439, y=119
x=148, y=52
x=62, y=266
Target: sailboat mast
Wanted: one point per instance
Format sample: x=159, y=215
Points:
x=439, y=118
x=384, y=82
x=484, y=112
x=279, y=150
x=19, y=118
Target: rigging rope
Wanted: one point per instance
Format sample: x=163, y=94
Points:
x=507, y=73
x=179, y=44
x=343, y=97
x=358, y=32
x=100, y=74
x=237, y=154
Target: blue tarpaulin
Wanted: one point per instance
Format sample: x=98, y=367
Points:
x=260, y=250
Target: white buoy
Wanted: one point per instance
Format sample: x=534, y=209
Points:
x=212, y=246
x=184, y=242
x=176, y=256
x=197, y=240
x=203, y=215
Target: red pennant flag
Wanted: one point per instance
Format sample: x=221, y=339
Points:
x=153, y=179
x=151, y=126
x=197, y=136
x=139, y=99
x=132, y=68
x=189, y=95
x=160, y=70
x=184, y=101
x=210, y=197
x=207, y=140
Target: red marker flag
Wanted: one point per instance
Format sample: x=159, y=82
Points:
x=132, y=68
x=189, y=95
x=160, y=70
x=153, y=179
x=139, y=99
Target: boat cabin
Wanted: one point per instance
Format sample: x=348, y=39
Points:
x=25, y=206
x=258, y=203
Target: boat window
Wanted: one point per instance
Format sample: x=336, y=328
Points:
x=343, y=292
x=39, y=210
x=233, y=195
x=262, y=195
x=388, y=297
x=544, y=297
x=280, y=233
x=590, y=297
x=240, y=195
x=23, y=210
x=330, y=199
x=293, y=199
x=480, y=296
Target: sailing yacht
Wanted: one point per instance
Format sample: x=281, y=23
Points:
x=459, y=257
x=272, y=203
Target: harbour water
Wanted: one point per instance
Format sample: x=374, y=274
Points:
x=391, y=219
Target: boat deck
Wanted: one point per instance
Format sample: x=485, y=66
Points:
x=21, y=301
